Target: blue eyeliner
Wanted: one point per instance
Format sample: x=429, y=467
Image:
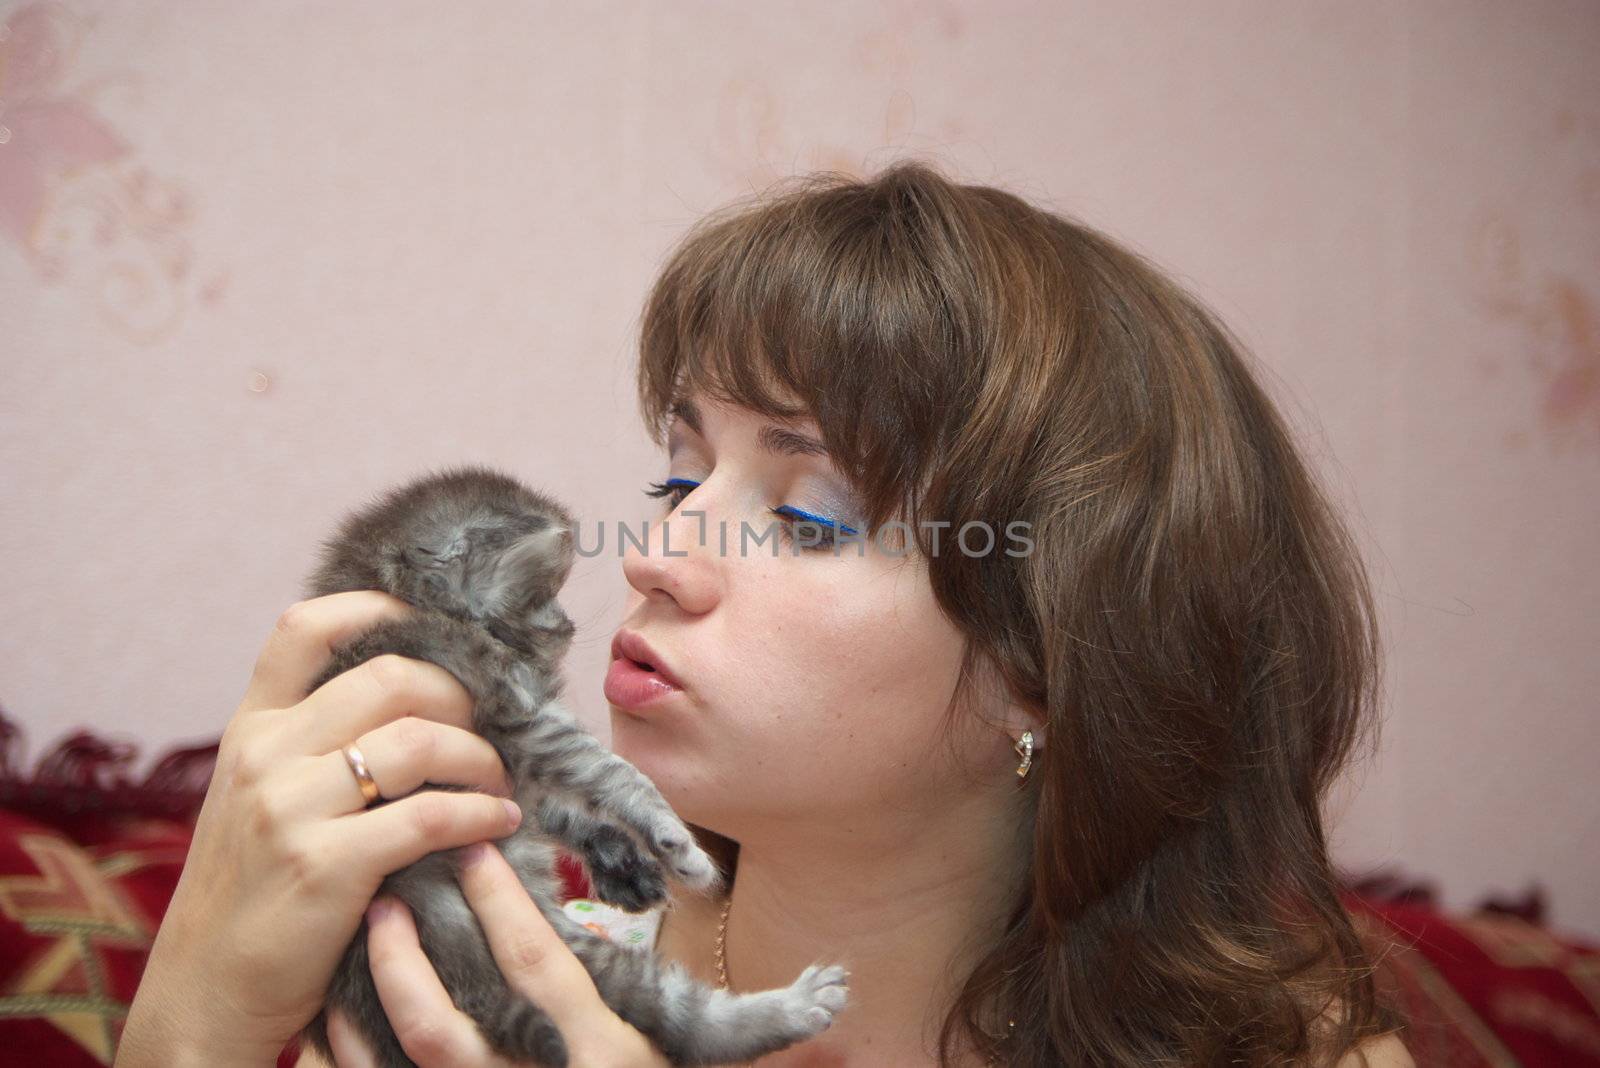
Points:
x=799, y=513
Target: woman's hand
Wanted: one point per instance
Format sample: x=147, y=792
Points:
x=286, y=856
x=536, y=963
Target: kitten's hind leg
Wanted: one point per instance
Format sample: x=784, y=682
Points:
x=620, y=873
x=695, y=1024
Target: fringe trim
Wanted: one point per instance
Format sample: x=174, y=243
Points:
x=86, y=773
x=1388, y=886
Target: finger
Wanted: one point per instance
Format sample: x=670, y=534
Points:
x=401, y=756
x=376, y=692
x=430, y=1028
x=533, y=958
x=350, y=1050
x=302, y=642
x=390, y=836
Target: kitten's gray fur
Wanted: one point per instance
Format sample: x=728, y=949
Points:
x=482, y=557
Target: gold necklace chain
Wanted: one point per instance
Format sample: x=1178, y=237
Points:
x=722, y=937
x=722, y=967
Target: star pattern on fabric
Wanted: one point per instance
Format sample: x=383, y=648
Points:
x=72, y=903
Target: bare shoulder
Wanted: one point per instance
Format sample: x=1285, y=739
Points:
x=1380, y=1051
x=1385, y=1051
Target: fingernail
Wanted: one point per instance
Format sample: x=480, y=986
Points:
x=474, y=855
x=379, y=909
x=513, y=813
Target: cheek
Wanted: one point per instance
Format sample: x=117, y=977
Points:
x=846, y=701
x=827, y=696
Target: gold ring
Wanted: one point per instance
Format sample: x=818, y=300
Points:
x=358, y=767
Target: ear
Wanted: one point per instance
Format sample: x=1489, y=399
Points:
x=1019, y=716
x=1013, y=714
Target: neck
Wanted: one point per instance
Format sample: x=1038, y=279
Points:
x=907, y=907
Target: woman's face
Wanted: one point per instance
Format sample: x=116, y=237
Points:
x=814, y=683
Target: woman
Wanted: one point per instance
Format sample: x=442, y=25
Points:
x=1052, y=791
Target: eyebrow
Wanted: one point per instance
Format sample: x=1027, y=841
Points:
x=774, y=439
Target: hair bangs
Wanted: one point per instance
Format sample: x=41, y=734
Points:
x=814, y=301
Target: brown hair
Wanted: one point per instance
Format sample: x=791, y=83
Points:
x=1193, y=620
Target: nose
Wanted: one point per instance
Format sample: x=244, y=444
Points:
x=678, y=560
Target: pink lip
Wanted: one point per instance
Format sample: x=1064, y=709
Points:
x=630, y=685
x=629, y=644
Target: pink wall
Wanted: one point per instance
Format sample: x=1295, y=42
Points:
x=257, y=262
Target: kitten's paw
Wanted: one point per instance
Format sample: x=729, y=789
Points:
x=815, y=998
x=676, y=847
x=621, y=873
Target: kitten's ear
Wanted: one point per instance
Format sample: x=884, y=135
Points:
x=530, y=570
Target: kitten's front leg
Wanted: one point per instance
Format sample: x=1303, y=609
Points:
x=620, y=872
x=550, y=752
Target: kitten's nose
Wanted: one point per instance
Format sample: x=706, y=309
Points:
x=559, y=536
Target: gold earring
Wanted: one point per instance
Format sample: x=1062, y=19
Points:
x=1024, y=748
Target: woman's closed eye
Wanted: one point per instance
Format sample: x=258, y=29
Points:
x=820, y=531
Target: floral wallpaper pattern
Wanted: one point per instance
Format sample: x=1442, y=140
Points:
x=75, y=198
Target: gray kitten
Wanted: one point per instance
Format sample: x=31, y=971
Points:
x=482, y=557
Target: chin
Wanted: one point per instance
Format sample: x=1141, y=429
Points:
x=686, y=776
x=653, y=751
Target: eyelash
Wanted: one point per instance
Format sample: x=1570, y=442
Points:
x=673, y=487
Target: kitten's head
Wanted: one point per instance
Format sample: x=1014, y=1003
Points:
x=470, y=542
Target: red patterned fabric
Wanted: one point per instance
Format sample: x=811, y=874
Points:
x=89, y=860
x=79, y=905
x=1487, y=990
